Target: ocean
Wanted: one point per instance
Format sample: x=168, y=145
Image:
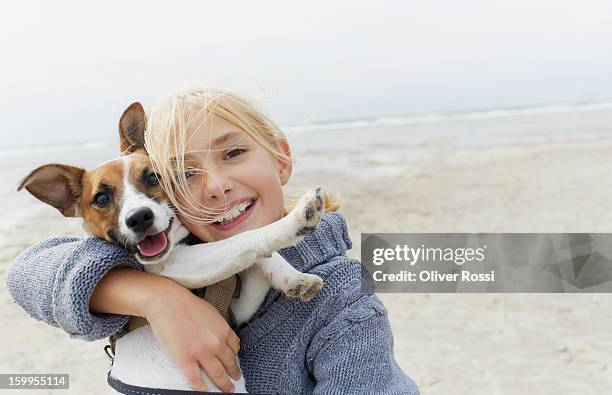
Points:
x=359, y=148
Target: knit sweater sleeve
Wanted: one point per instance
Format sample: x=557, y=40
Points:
x=355, y=353
x=53, y=281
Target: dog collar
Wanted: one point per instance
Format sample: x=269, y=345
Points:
x=221, y=294
x=124, y=388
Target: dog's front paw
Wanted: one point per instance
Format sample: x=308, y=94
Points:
x=308, y=212
x=305, y=287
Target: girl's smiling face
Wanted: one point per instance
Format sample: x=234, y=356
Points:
x=235, y=178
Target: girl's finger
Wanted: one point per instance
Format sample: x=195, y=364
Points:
x=192, y=372
x=229, y=361
x=234, y=342
x=217, y=374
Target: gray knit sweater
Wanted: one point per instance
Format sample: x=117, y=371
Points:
x=340, y=342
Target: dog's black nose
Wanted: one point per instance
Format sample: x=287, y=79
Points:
x=140, y=219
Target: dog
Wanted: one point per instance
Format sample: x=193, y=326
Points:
x=121, y=201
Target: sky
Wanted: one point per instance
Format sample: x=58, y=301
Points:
x=69, y=69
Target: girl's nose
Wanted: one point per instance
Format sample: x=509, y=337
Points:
x=216, y=185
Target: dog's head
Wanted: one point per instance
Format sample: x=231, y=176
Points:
x=120, y=201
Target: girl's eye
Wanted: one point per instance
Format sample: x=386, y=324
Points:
x=234, y=152
x=101, y=199
x=190, y=173
x=151, y=179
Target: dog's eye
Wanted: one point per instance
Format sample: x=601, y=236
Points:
x=151, y=179
x=101, y=199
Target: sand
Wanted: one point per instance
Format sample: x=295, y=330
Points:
x=448, y=343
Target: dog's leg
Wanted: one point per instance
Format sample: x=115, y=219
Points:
x=204, y=264
x=278, y=273
x=284, y=277
x=253, y=289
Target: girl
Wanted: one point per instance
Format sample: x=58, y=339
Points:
x=211, y=149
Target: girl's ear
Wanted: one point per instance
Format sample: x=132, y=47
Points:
x=285, y=167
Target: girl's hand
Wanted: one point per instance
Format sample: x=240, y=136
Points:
x=194, y=334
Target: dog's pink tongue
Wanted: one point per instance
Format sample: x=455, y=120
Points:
x=153, y=245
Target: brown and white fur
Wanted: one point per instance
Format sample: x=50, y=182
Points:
x=121, y=203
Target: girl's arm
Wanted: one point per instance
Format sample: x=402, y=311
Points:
x=354, y=353
x=54, y=279
x=59, y=279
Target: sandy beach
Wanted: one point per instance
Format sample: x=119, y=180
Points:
x=516, y=173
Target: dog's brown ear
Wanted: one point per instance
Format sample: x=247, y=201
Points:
x=132, y=127
x=57, y=185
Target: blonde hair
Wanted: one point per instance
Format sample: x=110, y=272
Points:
x=166, y=138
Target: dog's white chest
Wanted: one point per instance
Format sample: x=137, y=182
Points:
x=141, y=360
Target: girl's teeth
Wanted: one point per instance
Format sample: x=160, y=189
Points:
x=233, y=213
